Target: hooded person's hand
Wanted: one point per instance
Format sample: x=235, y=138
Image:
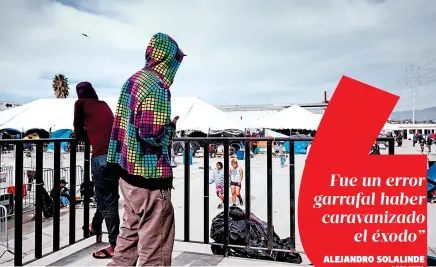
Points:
x=176, y=118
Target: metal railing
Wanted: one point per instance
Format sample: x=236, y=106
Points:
x=57, y=170
x=226, y=157
x=51, y=178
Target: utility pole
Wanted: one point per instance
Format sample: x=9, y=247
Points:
x=413, y=86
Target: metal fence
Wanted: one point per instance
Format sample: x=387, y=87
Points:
x=4, y=241
x=56, y=175
x=33, y=178
x=226, y=158
x=7, y=177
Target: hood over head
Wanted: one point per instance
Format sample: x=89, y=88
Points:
x=163, y=57
x=86, y=91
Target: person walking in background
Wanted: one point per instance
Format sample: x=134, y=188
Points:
x=142, y=134
x=218, y=178
x=415, y=139
x=421, y=141
x=282, y=153
x=236, y=176
x=399, y=140
x=93, y=121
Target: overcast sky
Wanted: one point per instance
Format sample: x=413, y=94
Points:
x=239, y=52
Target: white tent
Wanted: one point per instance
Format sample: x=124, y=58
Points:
x=6, y=115
x=41, y=114
x=67, y=121
x=250, y=118
x=272, y=133
x=56, y=114
x=202, y=116
x=294, y=117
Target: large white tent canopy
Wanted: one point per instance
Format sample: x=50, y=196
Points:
x=55, y=114
x=198, y=115
x=41, y=114
x=294, y=117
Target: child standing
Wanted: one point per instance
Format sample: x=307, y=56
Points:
x=218, y=178
x=282, y=153
x=236, y=177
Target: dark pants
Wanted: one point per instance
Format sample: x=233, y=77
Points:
x=106, y=196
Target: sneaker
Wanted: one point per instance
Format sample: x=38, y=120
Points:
x=241, y=202
x=220, y=206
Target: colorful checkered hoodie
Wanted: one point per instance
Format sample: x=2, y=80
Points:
x=142, y=131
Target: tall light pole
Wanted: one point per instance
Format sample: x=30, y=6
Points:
x=413, y=92
x=413, y=86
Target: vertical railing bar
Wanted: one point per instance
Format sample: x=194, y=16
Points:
x=226, y=197
x=86, y=183
x=38, y=199
x=187, y=196
x=56, y=195
x=269, y=194
x=18, y=231
x=206, y=192
x=391, y=148
x=292, y=192
x=72, y=230
x=247, y=191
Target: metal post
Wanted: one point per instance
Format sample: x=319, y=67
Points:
x=269, y=194
x=247, y=191
x=86, y=182
x=206, y=193
x=56, y=196
x=18, y=231
x=38, y=202
x=391, y=148
x=187, y=159
x=292, y=192
x=73, y=147
x=226, y=197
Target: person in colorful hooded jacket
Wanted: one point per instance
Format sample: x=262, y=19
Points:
x=93, y=121
x=142, y=134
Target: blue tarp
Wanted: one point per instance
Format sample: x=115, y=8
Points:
x=431, y=174
x=299, y=147
x=64, y=133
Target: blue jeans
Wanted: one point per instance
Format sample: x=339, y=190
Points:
x=282, y=159
x=106, y=197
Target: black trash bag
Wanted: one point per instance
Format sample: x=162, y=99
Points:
x=258, y=238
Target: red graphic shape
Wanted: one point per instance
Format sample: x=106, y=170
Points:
x=353, y=120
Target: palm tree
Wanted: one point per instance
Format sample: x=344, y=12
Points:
x=60, y=86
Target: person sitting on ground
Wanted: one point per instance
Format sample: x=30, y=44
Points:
x=218, y=178
x=236, y=176
x=64, y=193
